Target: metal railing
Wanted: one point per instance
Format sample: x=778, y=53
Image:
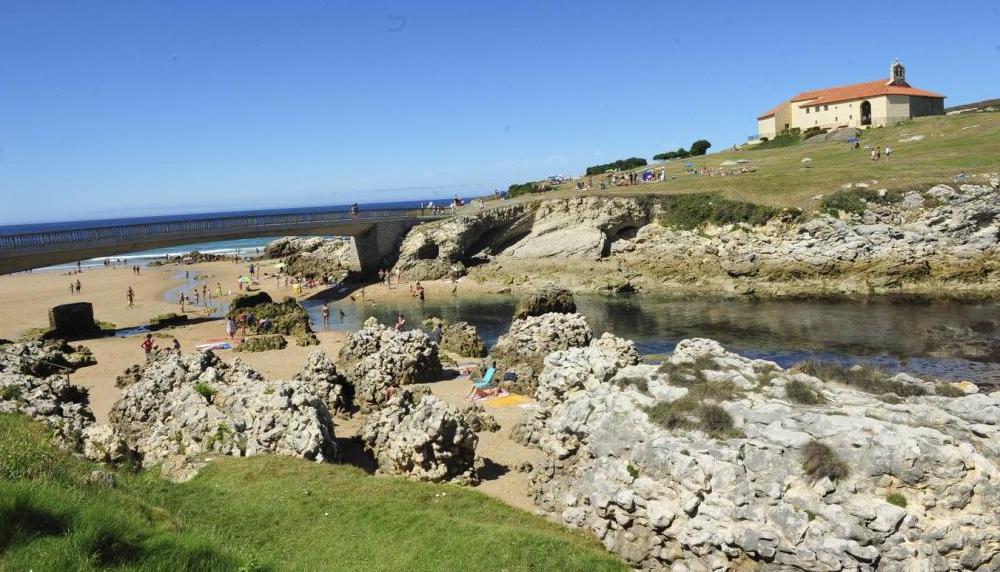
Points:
x=222, y=223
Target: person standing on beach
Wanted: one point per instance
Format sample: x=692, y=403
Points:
x=230, y=328
x=78, y=286
x=181, y=301
x=325, y=313
x=218, y=290
x=204, y=293
x=72, y=287
x=197, y=297
x=147, y=347
x=130, y=294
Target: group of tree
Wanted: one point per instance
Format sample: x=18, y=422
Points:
x=699, y=147
x=619, y=165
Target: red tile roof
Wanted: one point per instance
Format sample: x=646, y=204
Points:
x=851, y=92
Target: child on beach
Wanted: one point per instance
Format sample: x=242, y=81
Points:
x=230, y=328
x=147, y=347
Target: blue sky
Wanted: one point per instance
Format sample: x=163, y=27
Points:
x=113, y=108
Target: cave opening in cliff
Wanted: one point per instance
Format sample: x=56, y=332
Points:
x=428, y=251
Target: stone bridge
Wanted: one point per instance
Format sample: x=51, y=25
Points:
x=375, y=233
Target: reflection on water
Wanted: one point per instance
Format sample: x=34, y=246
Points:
x=950, y=340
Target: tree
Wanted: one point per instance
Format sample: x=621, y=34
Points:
x=699, y=147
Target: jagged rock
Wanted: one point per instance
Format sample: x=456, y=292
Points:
x=522, y=349
x=193, y=404
x=479, y=420
x=132, y=374
x=43, y=358
x=330, y=385
x=548, y=299
x=102, y=444
x=312, y=256
x=377, y=358
x=460, y=338
x=287, y=317
x=679, y=498
x=423, y=438
x=262, y=343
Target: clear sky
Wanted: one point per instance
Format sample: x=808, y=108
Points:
x=119, y=107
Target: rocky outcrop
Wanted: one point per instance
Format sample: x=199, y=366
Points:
x=712, y=462
x=423, y=438
x=321, y=375
x=288, y=318
x=440, y=249
x=262, y=343
x=943, y=240
x=53, y=400
x=43, y=358
x=377, y=358
x=195, y=404
x=548, y=299
x=312, y=256
x=477, y=419
x=522, y=349
x=459, y=338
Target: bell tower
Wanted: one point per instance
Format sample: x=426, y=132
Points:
x=897, y=73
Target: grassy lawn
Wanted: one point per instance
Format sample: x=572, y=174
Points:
x=951, y=144
x=262, y=513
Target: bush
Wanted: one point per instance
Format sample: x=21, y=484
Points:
x=785, y=139
x=813, y=131
x=868, y=379
x=700, y=147
x=526, y=188
x=205, y=390
x=896, y=499
x=689, y=211
x=638, y=382
x=948, y=390
x=800, y=392
x=819, y=460
x=688, y=414
x=680, y=153
x=619, y=165
x=10, y=393
x=263, y=343
x=855, y=201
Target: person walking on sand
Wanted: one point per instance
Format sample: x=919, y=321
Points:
x=130, y=294
x=72, y=287
x=78, y=286
x=325, y=313
x=147, y=347
x=181, y=301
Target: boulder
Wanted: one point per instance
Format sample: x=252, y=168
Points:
x=478, y=419
x=196, y=404
x=460, y=338
x=422, y=438
x=262, y=343
x=523, y=348
x=546, y=300
x=312, y=256
x=320, y=374
x=377, y=358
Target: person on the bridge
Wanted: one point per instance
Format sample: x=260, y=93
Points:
x=355, y=211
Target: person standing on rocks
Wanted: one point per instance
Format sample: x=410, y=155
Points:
x=147, y=347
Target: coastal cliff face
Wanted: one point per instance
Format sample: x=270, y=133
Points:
x=716, y=461
x=943, y=241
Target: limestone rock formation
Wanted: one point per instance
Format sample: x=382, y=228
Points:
x=548, y=299
x=478, y=419
x=193, y=404
x=312, y=256
x=320, y=374
x=522, y=349
x=460, y=338
x=846, y=482
x=287, y=317
x=43, y=358
x=423, y=438
x=377, y=358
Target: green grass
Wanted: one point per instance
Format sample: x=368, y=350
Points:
x=865, y=378
x=896, y=499
x=693, y=210
x=969, y=143
x=780, y=140
x=800, y=392
x=260, y=513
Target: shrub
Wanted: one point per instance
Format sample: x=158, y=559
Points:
x=205, y=390
x=855, y=201
x=688, y=414
x=784, y=139
x=10, y=393
x=680, y=153
x=813, y=131
x=800, y=392
x=526, y=188
x=819, y=460
x=263, y=343
x=948, y=390
x=619, y=165
x=896, y=499
x=689, y=211
x=638, y=382
x=865, y=378
x=632, y=471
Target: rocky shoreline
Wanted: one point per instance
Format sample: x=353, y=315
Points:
x=937, y=243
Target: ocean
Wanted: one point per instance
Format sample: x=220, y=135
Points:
x=245, y=246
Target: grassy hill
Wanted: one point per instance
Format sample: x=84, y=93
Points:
x=951, y=144
x=261, y=513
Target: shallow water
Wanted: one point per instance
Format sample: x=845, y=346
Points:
x=948, y=340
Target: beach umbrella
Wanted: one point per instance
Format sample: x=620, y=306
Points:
x=244, y=280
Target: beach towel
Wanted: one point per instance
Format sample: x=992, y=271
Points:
x=214, y=346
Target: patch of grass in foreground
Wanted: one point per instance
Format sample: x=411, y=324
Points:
x=261, y=513
x=865, y=378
